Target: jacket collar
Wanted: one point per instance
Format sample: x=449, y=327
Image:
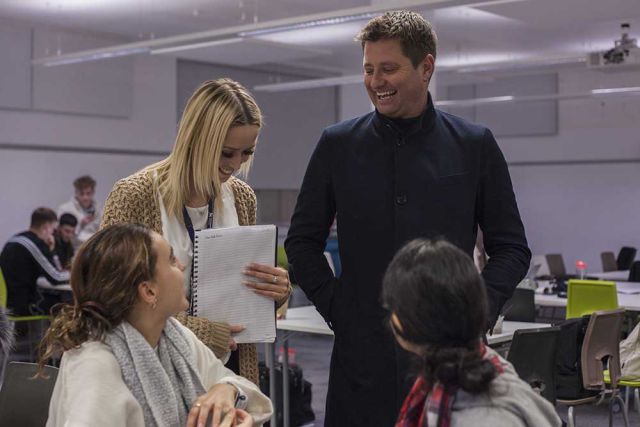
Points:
x=425, y=123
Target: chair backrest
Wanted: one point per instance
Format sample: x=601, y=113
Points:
x=521, y=306
x=634, y=272
x=3, y=291
x=533, y=355
x=24, y=400
x=602, y=341
x=556, y=265
x=625, y=257
x=587, y=296
x=608, y=261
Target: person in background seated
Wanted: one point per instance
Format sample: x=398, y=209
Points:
x=84, y=207
x=27, y=256
x=126, y=361
x=64, y=237
x=437, y=305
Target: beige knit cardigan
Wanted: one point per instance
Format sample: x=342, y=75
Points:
x=134, y=200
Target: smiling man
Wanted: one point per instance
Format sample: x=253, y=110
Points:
x=403, y=171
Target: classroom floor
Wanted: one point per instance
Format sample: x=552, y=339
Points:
x=313, y=355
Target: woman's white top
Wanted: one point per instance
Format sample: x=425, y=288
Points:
x=175, y=232
x=90, y=391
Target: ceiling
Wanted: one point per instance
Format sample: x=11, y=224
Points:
x=510, y=31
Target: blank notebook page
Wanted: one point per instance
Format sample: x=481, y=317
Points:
x=220, y=256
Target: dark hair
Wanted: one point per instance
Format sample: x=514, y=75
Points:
x=416, y=35
x=439, y=298
x=84, y=181
x=68, y=219
x=105, y=276
x=41, y=216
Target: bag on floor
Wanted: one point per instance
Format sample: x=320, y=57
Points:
x=568, y=359
x=300, y=411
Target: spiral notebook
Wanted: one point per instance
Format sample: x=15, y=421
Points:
x=218, y=294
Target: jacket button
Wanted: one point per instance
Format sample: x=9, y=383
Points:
x=401, y=199
x=400, y=142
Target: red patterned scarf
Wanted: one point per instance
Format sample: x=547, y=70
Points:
x=438, y=399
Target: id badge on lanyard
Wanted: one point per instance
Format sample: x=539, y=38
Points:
x=192, y=235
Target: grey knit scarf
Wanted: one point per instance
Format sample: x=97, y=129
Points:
x=165, y=383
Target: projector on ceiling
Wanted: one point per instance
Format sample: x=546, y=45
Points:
x=624, y=53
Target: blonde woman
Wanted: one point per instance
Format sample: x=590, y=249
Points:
x=195, y=188
x=126, y=361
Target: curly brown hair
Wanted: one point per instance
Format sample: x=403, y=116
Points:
x=416, y=34
x=105, y=276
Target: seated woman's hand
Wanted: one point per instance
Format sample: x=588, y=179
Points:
x=219, y=401
x=271, y=282
x=241, y=419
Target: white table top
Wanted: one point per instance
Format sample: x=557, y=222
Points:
x=626, y=301
x=43, y=283
x=307, y=319
x=616, y=276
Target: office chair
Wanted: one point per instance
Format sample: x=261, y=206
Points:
x=533, y=355
x=625, y=257
x=24, y=400
x=608, y=261
x=587, y=296
x=634, y=272
x=521, y=306
x=601, y=342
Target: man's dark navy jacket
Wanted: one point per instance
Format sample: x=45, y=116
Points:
x=441, y=177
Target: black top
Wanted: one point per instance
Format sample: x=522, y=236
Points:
x=24, y=258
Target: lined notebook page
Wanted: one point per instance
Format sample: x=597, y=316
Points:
x=220, y=256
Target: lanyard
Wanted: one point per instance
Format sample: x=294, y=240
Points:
x=192, y=235
x=189, y=225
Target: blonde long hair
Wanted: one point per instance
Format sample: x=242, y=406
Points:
x=192, y=167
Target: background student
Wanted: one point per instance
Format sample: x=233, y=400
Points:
x=84, y=207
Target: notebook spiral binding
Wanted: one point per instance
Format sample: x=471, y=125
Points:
x=194, y=280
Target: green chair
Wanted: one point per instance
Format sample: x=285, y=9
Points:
x=587, y=296
x=18, y=319
x=281, y=258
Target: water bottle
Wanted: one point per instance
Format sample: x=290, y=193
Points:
x=581, y=269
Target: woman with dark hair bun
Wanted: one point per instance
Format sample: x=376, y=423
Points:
x=438, y=312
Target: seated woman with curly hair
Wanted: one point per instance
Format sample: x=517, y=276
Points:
x=438, y=311
x=126, y=361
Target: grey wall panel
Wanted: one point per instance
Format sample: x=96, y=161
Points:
x=15, y=67
x=294, y=121
x=519, y=118
x=102, y=88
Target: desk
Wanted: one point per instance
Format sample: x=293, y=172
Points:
x=308, y=320
x=626, y=301
x=616, y=276
x=43, y=283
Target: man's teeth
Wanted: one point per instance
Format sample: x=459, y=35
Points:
x=387, y=94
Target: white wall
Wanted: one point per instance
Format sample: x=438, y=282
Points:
x=31, y=176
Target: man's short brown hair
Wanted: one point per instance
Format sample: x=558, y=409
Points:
x=41, y=216
x=84, y=181
x=416, y=35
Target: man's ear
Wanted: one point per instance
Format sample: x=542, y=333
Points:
x=428, y=67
